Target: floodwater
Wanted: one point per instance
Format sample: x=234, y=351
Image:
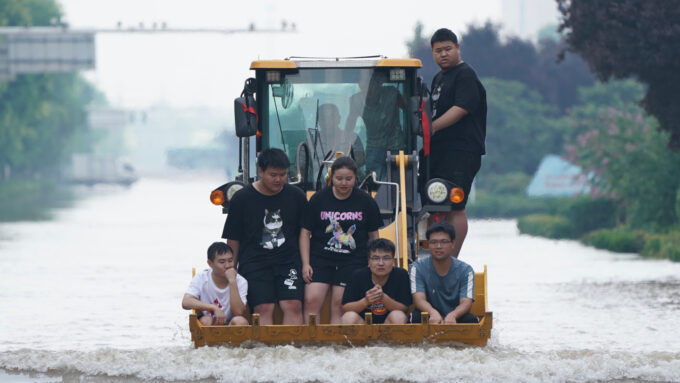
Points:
x=94, y=296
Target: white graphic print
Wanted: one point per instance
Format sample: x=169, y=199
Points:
x=272, y=236
x=435, y=97
x=290, y=281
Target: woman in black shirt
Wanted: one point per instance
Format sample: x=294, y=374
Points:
x=340, y=221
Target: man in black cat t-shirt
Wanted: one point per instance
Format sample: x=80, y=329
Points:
x=262, y=227
x=458, y=103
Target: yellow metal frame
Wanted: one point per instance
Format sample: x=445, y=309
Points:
x=476, y=334
x=402, y=161
x=290, y=64
x=272, y=64
x=412, y=63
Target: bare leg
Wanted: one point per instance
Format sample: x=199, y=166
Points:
x=315, y=293
x=266, y=312
x=238, y=321
x=396, y=317
x=458, y=219
x=336, y=304
x=207, y=320
x=351, y=317
x=292, y=311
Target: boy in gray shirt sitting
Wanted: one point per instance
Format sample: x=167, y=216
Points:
x=442, y=285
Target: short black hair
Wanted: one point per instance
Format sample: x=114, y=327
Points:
x=442, y=227
x=273, y=158
x=380, y=244
x=218, y=248
x=443, y=34
x=344, y=162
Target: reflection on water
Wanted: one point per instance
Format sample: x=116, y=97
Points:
x=658, y=295
x=94, y=295
x=32, y=200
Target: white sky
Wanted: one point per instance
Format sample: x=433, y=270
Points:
x=190, y=70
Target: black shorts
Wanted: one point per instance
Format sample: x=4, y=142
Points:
x=457, y=166
x=334, y=275
x=274, y=284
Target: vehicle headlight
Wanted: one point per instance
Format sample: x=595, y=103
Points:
x=437, y=192
x=233, y=189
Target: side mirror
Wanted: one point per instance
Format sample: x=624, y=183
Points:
x=245, y=116
x=245, y=111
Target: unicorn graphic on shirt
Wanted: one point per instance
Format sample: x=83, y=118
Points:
x=339, y=237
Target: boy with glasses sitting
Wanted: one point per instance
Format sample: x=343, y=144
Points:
x=442, y=285
x=380, y=289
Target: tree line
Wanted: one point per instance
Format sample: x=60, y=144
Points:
x=567, y=95
x=42, y=116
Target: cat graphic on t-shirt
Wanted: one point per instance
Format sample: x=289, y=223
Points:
x=272, y=236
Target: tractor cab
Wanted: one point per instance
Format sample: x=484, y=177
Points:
x=372, y=109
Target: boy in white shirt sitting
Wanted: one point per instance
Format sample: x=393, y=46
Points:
x=218, y=294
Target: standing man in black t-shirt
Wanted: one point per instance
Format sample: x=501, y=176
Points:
x=262, y=227
x=459, y=124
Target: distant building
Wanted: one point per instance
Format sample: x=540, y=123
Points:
x=556, y=177
x=524, y=18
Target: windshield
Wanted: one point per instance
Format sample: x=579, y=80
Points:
x=353, y=111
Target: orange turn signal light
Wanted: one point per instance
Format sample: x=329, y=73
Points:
x=217, y=197
x=456, y=195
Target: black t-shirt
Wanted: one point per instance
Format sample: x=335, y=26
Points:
x=340, y=227
x=267, y=227
x=397, y=287
x=380, y=112
x=459, y=87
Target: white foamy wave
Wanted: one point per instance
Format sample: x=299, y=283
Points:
x=361, y=364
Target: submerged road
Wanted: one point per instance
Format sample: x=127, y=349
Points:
x=94, y=294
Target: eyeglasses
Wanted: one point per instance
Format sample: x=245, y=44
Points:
x=383, y=259
x=440, y=242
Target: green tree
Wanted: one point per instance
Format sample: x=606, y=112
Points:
x=631, y=38
x=40, y=114
x=419, y=47
x=28, y=12
x=513, y=59
x=524, y=128
x=626, y=153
